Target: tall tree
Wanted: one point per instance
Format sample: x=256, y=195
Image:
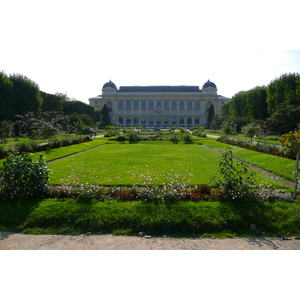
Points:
x=71, y=107
x=105, y=117
x=26, y=95
x=211, y=113
x=52, y=102
x=285, y=118
x=285, y=89
x=6, y=104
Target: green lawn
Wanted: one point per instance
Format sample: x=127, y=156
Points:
x=65, y=151
x=201, y=219
x=280, y=166
x=115, y=164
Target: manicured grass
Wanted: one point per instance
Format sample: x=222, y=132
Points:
x=280, y=166
x=65, y=216
x=123, y=164
x=67, y=150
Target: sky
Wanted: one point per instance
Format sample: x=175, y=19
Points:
x=74, y=47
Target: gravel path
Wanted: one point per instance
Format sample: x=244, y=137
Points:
x=17, y=241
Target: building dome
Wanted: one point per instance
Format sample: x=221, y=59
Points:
x=209, y=84
x=109, y=84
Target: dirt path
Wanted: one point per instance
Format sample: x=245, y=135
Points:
x=17, y=241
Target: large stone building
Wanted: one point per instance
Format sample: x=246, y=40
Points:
x=159, y=106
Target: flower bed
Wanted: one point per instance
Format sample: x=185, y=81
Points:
x=31, y=146
x=259, y=147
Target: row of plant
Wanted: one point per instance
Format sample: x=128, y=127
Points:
x=135, y=135
x=31, y=146
x=161, y=194
x=173, y=137
x=260, y=147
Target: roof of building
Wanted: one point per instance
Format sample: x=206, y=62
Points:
x=109, y=84
x=159, y=89
x=209, y=84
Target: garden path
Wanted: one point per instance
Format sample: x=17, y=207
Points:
x=18, y=241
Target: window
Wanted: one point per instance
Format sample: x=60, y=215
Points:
x=121, y=120
x=158, y=103
x=135, y=120
x=151, y=104
x=174, y=120
x=189, y=121
x=166, y=105
x=181, y=105
x=128, y=105
x=128, y=120
x=135, y=104
x=166, y=120
x=181, y=120
x=150, y=120
x=189, y=105
x=174, y=105
x=97, y=102
x=143, y=104
x=158, y=120
x=143, y=120
x=197, y=104
x=121, y=105
x=197, y=120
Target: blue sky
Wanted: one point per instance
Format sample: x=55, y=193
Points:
x=74, y=47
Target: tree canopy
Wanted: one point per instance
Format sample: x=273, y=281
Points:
x=26, y=95
x=285, y=89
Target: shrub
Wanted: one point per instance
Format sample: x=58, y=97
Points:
x=187, y=138
x=121, y=138
x=111, y=132
x=27, y=146
x=3, y=151
x=132, y=136
x=234, y=181
x=174, y=138
x=20, y=177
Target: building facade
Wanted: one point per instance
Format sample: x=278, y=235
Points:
x=159, y=106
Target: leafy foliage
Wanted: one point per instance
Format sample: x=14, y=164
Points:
x=26, y=95
x=105, y=117
x=228, y=128
x=250, y=130
x=21, y=177
x=210, y=115
x=285, y=89
x=292, y=140
x=285, y=118
x=233, y=179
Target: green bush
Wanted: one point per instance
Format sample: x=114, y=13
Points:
x=132, y=137
x=121, y=138
x=20, y=177
x=234, y=181
x=27, y=146
x=3, y=151
x=187, y=138
x=174, y=138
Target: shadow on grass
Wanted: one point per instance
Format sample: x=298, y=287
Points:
x=15, y=212
x=182, y=219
